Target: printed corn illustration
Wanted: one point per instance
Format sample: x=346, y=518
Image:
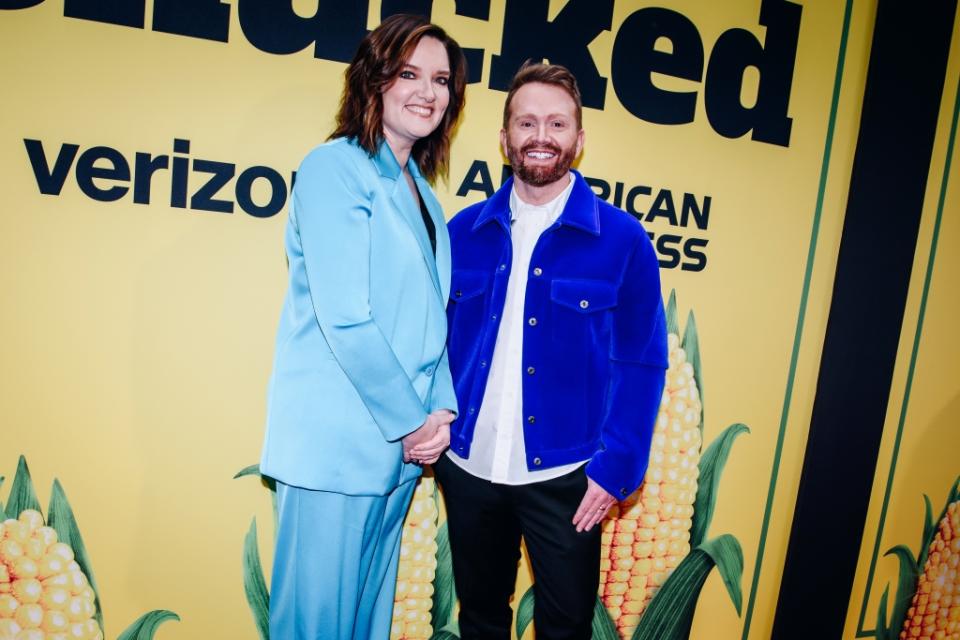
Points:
x=926, y=604
x=43, y=591
x=47, y=589
x=649, y=534
x=418, y=563
x=935, y=608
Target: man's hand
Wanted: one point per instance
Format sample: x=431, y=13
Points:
x=594, y=506
x=425, y=445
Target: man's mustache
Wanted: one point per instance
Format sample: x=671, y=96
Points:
x=542, y=146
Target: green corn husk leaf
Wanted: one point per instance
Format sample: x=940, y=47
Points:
x=673, y=323
x=271, y=484
x=146, y=625
x=22, y=495
x=691, y=345
x=602, y=627
x=524, y=612
x=883, y=631
x=726, y=552
x=906, y=585
x=3, y=514
x=252, y=470
x=670, y=613
x=63, y=521
x=449, y=632
x=444, y=591
x=929, y=524
x=254, y=586
x=711, y=467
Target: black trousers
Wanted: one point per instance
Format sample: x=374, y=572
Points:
x=486, y=522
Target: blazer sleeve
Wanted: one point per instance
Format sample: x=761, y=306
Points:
x=638, y=362
x=331, y=216
x=442, y=395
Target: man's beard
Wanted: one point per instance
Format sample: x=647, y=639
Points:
x=539, y=176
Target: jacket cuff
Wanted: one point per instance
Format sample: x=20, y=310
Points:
x=620, y=487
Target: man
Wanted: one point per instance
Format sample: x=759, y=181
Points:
x=557, y=348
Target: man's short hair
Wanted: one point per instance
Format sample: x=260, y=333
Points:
x=553, y=74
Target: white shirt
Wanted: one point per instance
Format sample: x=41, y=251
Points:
x=497, y=452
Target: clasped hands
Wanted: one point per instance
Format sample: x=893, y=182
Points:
x=425, y=445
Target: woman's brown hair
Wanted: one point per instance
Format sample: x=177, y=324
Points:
x=376, y=65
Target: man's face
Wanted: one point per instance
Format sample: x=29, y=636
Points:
x=542, y=138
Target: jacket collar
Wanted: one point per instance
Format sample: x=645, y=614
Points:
x=581, y=211
x=387, y=165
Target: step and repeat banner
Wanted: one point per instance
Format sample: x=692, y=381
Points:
x=148, y=150
x=907, y=569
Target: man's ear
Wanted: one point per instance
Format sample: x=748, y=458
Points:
x=503, y=143
x=580, y=136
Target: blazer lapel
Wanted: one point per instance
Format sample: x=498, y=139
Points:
x=410, y=210
x=406, y=203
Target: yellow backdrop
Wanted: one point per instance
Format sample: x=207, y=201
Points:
x=137, y=335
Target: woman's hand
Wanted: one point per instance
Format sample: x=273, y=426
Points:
x=430, y=451
x=425, y=445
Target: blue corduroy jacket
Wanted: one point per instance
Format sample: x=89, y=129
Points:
x=594, y=334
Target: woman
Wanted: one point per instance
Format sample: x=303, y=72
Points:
x=361, y=393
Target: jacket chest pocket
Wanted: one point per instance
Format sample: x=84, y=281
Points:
x=466, y=284
x=466, y=311
x=578, y=310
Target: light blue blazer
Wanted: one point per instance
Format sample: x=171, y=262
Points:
x=360, y=355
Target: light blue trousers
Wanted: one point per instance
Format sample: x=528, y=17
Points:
x=335, y=567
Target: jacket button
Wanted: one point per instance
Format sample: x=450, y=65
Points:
x=459, y=293
x=531, y=419
x=493, y=317
x=623, y=492
x=536, y=462
x=503, y=267
x=471, y=410
x=584, y=304
x=483, y=364
x=532, y=322
x=531, y=371
x=537, y=271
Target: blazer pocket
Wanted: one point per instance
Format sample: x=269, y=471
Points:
x=466, y=284
x=583, y=296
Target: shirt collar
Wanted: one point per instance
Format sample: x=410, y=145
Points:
x=580, y=212
x=519, y=207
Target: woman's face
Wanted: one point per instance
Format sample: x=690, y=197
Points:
x=414, y=104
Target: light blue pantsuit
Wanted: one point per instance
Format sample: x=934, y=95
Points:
x=336, y=565
x=360, y=361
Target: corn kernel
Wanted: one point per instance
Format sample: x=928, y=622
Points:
x=27, y=590
x=29, y=616
x=54, y=621
x=8, y=605
x=9, y=628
